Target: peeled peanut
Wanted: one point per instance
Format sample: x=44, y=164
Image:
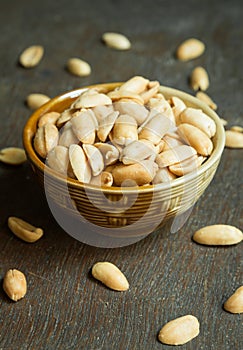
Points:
x=12, y=155
x=78, y=67
x=155, y=128
x=175, y=155
x=205, y=98
x=136, y=151
x=106, y=124
x=46, y=138
x=179, y=331
x=199, y=79
x=91, y=98
x=110, y=275
x=135, y=110
x=190, y=49
x=103, y=179
x=163, y=175
x=218, y=235
x=152, y=91
x=79, y=163
x=84, y=125
x=187, y=165
x=116, y=41
x=102, y=111
x=31, y=56
x=134, y=174
x=14, y=284
x=124, y=130
x=24, y=230
x=110, y=152
x=136, y=84
x=50, y=117
x=199, y=119
x=34, y=101
x=117, y=95
x=235, y=302
x=68, y=136
x=233, y=139
x=58, y=159
x=95, y=158
x=196, y=138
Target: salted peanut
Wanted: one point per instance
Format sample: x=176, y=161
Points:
x=95, y=158
x=31, y=56
x=40, y=143
x=175, y=155
x=163, y=175
x=187, y=165
x=196, y=138
x=116, y=41
x=177, y=106
x=124, y=130
x=199, y=79
x=117, y=95
x=136, y=84
x=171, y=142
x=233, y=139
x=58, y=159
x=151, y=92
x=199, y=119
x=106, y=124
x=159, y=147
x=110, y=152
x=136, y=151
x=84, y=125
x=179, y=331
x=51, y=136
x=236, y=128
x=190, y=49
x=235, y=302
x=110, y=275
x=65, y=116
x=12, y=155
x=68, y=137
x=134, y=174
x=205, y=98
x=156, y=128
x=79, y=163
x=24, y=230
x=14, y=284
x=91, y=98
x=102, y=111
x=34, y=101
x=50, y=117
x=78, y=67
x=137, y=111
x=103, y=179
x=218, y=235
x=162, y=106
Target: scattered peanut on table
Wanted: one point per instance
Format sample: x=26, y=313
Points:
x=14, y=284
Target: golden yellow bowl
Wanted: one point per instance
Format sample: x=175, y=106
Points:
x=130, y=213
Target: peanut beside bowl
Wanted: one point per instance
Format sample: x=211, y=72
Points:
x=119, y=215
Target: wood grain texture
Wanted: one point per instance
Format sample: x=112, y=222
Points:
x=169, y=274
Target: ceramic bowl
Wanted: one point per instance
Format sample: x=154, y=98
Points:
x=136, y=211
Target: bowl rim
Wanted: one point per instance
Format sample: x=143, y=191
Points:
x=72, y=94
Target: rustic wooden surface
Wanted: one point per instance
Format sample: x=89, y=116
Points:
x=170, y=276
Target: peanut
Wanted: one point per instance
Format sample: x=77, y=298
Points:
x=179, y=331
x=190, y=49
x=233, y=139
x=218, y=235
x=14, y=284
x=24, y=230
x=31, y=56
x=205, y=98
x=78, y=67
x=235, y=302
x=116, y=41
x=34, y=101
x=12, y=155
x=199, y=79
x=110, y=275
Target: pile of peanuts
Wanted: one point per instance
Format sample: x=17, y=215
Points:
x=131, y=136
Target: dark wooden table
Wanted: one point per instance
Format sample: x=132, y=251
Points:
x=170, y=276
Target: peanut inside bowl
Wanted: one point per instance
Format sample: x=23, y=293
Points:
x=128, y=149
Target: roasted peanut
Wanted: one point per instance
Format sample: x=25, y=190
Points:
x=110, y=275
x=24, y=230
x=14, y=284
